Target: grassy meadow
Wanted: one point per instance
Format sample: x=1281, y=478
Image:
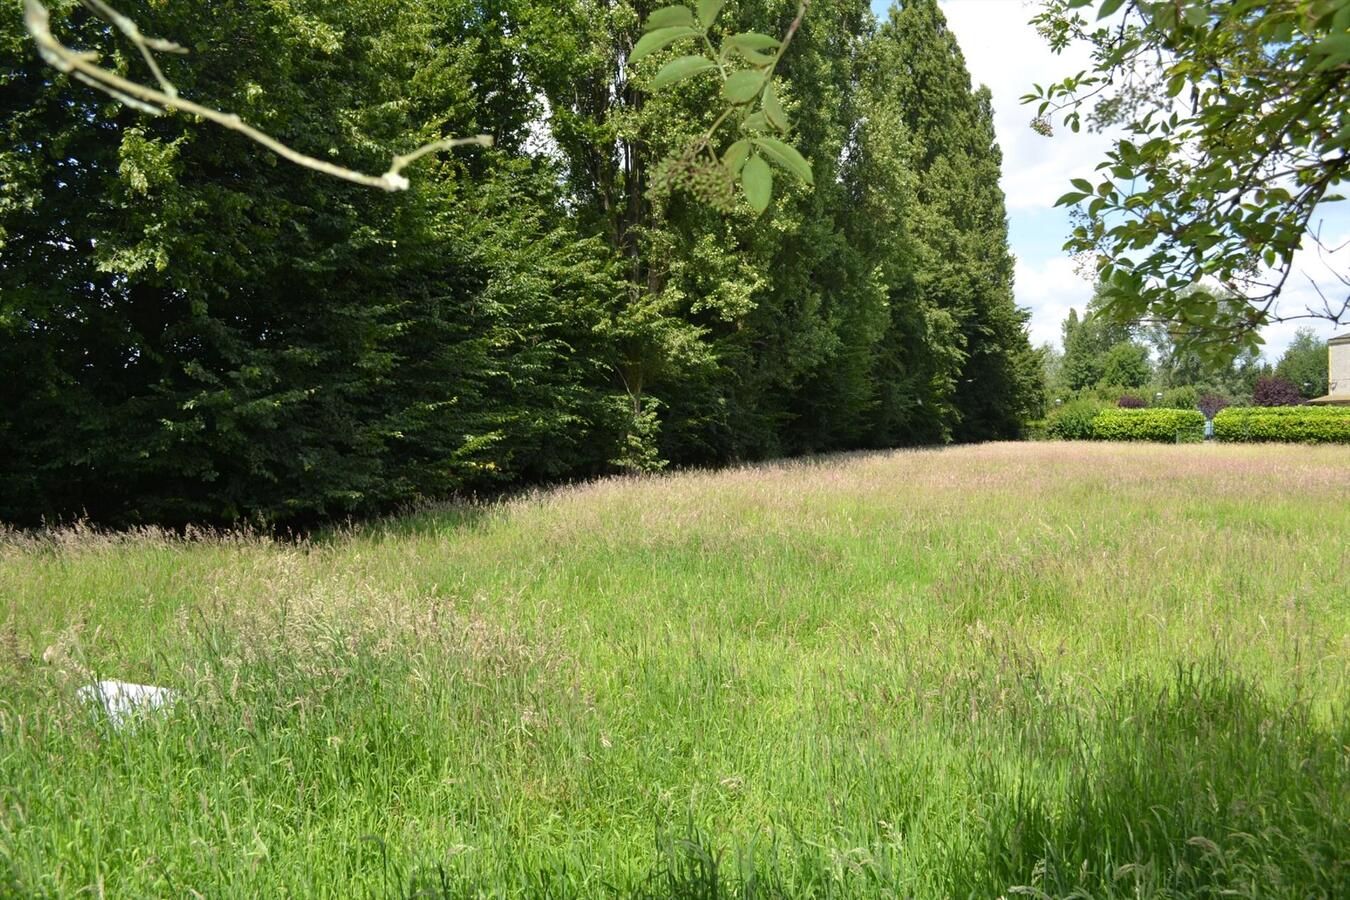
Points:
x=1121, y=670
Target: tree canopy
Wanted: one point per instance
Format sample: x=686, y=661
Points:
x=1305, y=364
x=195, y=331
x=1237, y=136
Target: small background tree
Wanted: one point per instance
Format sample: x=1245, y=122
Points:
x=1126, y=364
x=1305, y=364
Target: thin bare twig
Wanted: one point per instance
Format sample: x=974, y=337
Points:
x=146, y=45
x=84, y=67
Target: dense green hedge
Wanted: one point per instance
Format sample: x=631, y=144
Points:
x=1087, y=419
x=1290, y=424
x=1292, y=412
x=1166, y=425
x=1073, y=420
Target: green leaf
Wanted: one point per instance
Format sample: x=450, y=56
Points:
x=660, y=39
x=773, y=110
x=708, y=10
x=679, y=68
x=742, y=87
x=1071, y=198
x=1109, y=7
x=736, y=155
x=755, y=122
x=757, y=182
x=1335, y=47
x=786, y=156
x=751, y=40
x=1082, y=184
x=669, y=16
x=755, y=58
x=1197, y=15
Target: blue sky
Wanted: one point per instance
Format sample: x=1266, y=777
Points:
x=1005, y=53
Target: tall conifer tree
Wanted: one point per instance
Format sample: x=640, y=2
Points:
x=960, y=223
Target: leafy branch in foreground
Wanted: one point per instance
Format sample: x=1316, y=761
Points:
x=745, y=63
x=84, y=67
x=1237, y=115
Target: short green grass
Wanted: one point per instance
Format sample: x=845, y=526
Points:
x=1007, y=669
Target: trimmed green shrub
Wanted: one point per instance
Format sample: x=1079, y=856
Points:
x=1287, y=424
x=1073, y=420
x=1284, y=412
x=1165, y=425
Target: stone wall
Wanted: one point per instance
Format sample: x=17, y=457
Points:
x=1339, y=348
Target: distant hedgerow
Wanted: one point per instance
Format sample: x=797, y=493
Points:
x=1073, y=420
x=1288, y=424
x=1166, y=425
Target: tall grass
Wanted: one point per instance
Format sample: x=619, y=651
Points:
x=1010, y=669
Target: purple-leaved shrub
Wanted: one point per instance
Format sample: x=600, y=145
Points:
x=1275, y=391
x=1212, y=404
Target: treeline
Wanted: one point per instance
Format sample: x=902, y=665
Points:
x=194, y=331
x=1111, y=362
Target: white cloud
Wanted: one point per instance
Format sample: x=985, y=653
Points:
x=1050, y=287
x=1004, y=52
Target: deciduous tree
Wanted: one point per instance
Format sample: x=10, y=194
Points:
x=1234, y=114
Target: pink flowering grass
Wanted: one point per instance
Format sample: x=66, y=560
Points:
x=1106, y=668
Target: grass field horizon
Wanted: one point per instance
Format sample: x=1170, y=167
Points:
x=1121, y=670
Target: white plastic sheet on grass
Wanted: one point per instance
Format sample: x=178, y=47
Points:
x=123, y=701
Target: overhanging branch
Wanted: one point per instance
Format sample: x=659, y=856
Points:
x=84, y=67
